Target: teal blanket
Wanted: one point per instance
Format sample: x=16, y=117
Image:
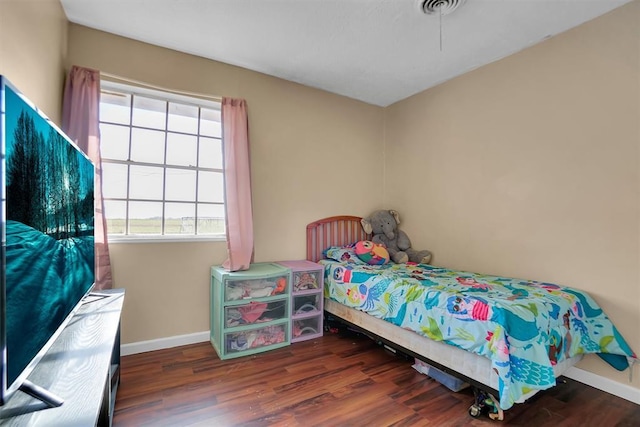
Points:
x=525, y=327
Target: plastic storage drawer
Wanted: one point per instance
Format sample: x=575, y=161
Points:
x=307, y=328
x=255, y=312
x=260, y=338
x=306, y=280
x=306, y=304
x=242, y=289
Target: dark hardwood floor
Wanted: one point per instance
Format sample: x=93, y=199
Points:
x=332, y=381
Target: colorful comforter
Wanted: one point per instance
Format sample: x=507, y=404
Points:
x=524, y=327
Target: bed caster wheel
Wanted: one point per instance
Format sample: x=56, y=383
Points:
x=474, y=411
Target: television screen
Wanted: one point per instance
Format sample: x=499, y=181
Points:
x=47, y=229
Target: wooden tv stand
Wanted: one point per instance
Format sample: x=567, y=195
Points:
x=82, y=367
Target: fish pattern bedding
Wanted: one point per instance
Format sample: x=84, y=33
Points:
x=524, y=327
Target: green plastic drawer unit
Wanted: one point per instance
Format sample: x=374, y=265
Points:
x=250, y=310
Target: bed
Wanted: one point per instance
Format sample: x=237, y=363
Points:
x=509, y=338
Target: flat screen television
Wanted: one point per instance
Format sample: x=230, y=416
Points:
x=47, y=252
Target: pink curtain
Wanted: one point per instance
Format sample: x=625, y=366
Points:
x=237, y=179
x=80, y=121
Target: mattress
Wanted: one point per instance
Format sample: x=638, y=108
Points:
x=462, y=362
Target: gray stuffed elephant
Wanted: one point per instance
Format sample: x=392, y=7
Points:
x=383, y=225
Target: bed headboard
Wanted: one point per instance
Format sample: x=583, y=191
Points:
x=333, y=231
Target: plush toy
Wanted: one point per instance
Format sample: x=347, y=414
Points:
x=383, y=225
x=372, y=253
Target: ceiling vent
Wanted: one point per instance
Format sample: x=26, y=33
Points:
x=439, y=7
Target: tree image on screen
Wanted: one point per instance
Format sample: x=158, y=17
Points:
x=49, y=231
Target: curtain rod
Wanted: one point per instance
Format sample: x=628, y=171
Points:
x=150, y=86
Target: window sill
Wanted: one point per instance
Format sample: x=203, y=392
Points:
x=165, y=239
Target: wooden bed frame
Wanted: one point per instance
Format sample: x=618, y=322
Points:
x=333, y=231
x=343, y=230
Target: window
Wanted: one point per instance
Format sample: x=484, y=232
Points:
x=162, y=164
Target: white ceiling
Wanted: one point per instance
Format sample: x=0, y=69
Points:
x=376, y=51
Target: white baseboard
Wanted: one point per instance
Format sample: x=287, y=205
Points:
x=162, y=343
x=623, y=391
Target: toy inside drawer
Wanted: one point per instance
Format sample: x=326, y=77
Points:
x=254, y=288
x=306, y=280
x=255, y=312
x=256, y=338
x=306, y=304
x=306, y=328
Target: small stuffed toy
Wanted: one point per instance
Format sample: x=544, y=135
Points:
x=383, y=224
x=372, y=253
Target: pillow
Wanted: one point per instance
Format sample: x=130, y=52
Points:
x=372, y=253
x=343, y=254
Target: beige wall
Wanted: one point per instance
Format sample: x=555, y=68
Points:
x=33, y=45
x=529, y=167
x=297, y=135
